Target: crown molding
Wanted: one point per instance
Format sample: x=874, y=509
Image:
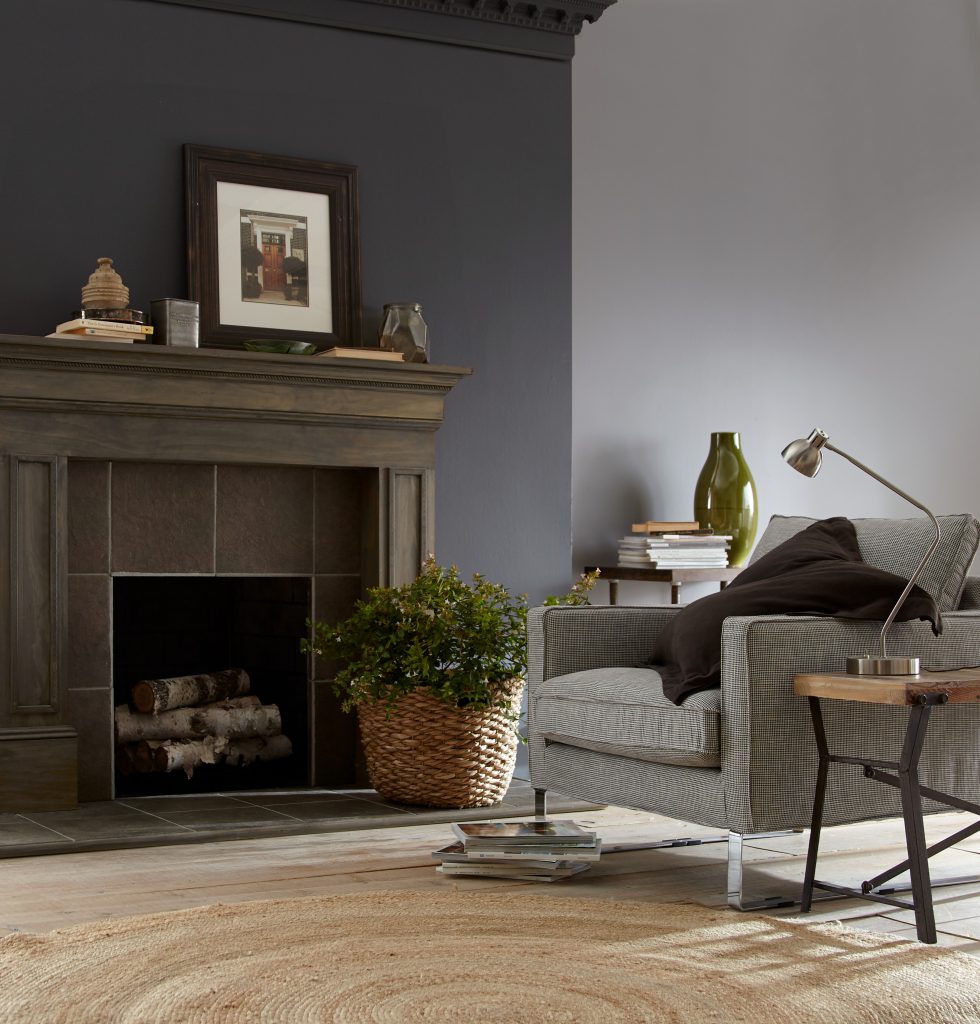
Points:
x=534, y=28
x=563, y=16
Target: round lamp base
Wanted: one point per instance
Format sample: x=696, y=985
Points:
x=882, y=666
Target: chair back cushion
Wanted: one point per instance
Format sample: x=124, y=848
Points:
x=897, y=545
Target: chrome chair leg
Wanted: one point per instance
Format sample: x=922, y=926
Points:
x=540, y=803
x=736, y=878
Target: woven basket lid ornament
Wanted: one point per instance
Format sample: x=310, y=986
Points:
x=105, y=289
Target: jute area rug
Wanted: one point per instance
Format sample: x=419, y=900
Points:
x=476, y=957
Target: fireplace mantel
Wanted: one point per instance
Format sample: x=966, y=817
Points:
x=105, y=399
x=73, y=401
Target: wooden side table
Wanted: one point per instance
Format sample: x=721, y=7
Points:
x=921, y=693
x=612, y=574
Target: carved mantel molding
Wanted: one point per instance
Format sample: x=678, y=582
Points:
x=564, y=16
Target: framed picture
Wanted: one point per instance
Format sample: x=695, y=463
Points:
x=272, y=248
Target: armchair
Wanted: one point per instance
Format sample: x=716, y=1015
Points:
x=742, y=758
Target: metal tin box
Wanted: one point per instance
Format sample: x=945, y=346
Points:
x=176, y=322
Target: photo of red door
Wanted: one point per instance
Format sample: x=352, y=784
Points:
x=273, y=253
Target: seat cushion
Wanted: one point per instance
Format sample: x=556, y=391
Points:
x=624, y=711
x=897, y=545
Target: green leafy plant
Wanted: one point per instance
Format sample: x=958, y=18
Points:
x=465, y=643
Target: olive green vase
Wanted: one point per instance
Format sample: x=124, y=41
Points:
x=725, y=498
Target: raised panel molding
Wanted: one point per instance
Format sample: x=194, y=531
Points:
x=37, y=517
x=410, y=522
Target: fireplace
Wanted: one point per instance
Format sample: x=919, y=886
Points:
x=166, y=626
x=218, y=484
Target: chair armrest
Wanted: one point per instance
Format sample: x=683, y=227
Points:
x=768, y=753
x=572, y=638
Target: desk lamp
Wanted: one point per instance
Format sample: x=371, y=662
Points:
x=804, y=455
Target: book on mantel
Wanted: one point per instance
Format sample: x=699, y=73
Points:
x=84, y=323
x=103, y=330
x=340, y=352
x=96, y=336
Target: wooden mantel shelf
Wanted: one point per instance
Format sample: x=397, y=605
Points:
x=218, y=383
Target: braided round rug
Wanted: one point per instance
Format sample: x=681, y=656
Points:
x=476, y=957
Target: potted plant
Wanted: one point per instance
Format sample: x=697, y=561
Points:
x=435, y=669
x=252, y=259
x=297, y=287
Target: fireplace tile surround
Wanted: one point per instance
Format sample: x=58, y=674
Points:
x=140, y=460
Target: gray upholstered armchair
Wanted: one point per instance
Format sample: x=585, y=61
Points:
x=743, y=758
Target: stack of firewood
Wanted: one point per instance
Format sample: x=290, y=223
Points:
x=186, y=721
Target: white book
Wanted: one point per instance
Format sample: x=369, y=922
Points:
x=692, y=565
x=690, y=556
x=713, y=560
x=707, y=538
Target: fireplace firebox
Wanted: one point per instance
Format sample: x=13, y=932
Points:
x=166, y=626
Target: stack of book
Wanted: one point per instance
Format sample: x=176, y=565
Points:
x=103, y=330
x=674, y=545
x=533, y=851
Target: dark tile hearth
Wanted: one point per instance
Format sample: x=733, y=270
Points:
x=167, y=820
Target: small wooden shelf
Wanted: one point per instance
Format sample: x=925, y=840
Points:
x=612, y=574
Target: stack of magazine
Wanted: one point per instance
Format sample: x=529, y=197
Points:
x=538, y=851
x=674, y=545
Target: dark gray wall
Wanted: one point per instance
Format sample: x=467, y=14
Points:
x=465, y=178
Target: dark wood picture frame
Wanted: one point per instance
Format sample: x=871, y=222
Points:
x=204, y=168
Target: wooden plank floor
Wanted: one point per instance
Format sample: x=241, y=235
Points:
x=38, y=894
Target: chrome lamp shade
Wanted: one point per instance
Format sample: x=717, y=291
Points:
x=805, y=455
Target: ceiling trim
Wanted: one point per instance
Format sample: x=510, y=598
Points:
x=536, y=28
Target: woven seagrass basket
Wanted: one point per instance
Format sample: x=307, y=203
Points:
x=433, y=754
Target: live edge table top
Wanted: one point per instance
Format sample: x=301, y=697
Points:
x=962, y=686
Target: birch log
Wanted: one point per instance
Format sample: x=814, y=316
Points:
x=151, y=696
x=188, y=754
x=257, y=748
x=225, y=719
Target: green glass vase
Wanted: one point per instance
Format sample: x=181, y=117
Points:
x=725, y=498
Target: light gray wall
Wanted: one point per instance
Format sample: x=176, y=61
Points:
x=776, y=226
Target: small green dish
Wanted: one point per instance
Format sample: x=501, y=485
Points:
x=286, y=348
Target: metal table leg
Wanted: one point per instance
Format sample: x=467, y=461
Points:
x=906, y=780
x=915, y=838
x=816, y=820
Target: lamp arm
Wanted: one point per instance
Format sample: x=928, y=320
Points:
x=925, y=558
